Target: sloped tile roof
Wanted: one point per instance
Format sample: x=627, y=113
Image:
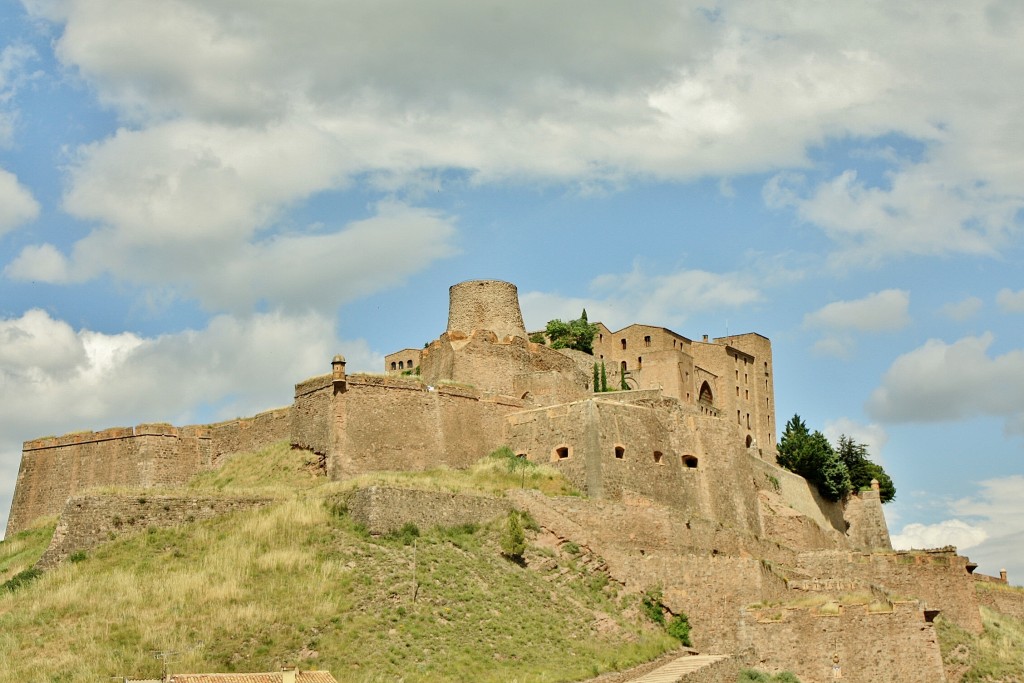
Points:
x=276, y=677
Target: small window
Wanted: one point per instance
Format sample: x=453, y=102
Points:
x=620, y=452
x=623, y=367
x=647, y=340
x=623, y=344
x=639, y=362
x=522, y=456
x=689, y=461
x=739, y=418
x=746, y=394
x=562, y=452
x=737, y=392
x=394, y=365
x=600, y=337
x=750, y=440
x=401, y=365
x=748, y=420
x=408, y=364
x=657, y=457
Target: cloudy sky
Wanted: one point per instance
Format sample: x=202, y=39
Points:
x=202, y=201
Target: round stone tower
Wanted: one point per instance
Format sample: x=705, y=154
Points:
x=485, y=305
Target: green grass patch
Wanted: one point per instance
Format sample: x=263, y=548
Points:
x=994, y=655
x=23, y=549
x=276, y=467
x=297, y=583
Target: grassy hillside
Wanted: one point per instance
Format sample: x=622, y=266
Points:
x=296, y=583
x=995, y=656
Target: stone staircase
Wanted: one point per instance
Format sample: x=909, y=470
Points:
x=676, y=670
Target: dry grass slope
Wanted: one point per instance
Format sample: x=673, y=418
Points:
x=299, y=584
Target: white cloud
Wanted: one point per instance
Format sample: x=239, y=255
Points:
x=883, y=311
x=941, y=382
x=14, y=61
x=579, y=91
x=17, y=205
x=40, y=262
x=963, y=310
x=879, y=312
x=948, y=532
x=1011, y=301
x=872, y=435
x=622, y=299
x=55, y=379
x=990, y=525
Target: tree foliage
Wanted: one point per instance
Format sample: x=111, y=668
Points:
x=811, y=456
x=575, y=334
x=513, y=538
x=862, y=470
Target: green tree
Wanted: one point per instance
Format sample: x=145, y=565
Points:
x=597, y=381
x=862, y=470
x=538, y=338
x=604, y=378
x=576, y=334
x=513, y=538
x=810, y=455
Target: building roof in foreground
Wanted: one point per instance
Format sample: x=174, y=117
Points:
x=275, y=677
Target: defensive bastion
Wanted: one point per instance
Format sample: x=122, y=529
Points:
x=681, y=487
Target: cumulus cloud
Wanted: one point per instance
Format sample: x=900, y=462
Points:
x=963, y=310
x=238, y=110
x=940, y=381
x=948, y=532
x=17, y=205
x=990, y=524
x=55, y=378
x=1011, y=301
x=879, y=312
x=883, y=311
x=637, y=296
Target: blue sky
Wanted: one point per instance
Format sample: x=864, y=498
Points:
x=202, y=202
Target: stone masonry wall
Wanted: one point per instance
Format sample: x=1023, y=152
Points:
x=868, y=529
x=383, y=509
x=90, y=520
x=938, y=578
x=1008, y=600
x=55, y=468
x=312, y=413
x=401, y=424
x=855, y=645
x=250, y=433
x=485, y=305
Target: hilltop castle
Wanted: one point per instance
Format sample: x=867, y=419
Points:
x=682, y=490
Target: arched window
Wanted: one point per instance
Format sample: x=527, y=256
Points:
x=647, y=340
x=401, y=365
x=409, y=364
x=658, y=456
x=750, y=440
x=689, y=461
x=623, y=367
x=394, y=365
x=705, y=394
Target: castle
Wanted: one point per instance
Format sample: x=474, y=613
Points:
x=681, y=486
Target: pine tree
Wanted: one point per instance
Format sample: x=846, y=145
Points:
x=596, y=385
x=604, y=378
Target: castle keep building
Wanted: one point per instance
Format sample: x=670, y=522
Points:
x=679, y=476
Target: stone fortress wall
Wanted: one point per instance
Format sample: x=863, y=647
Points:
x=681, y=487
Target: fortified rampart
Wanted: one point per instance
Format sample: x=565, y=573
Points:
x=53, y=469
x=1008, y=600
x=382, y=509
x=90, y=520
x=485, y=305
x=856, y=643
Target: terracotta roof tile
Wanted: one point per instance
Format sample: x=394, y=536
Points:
x=276, y=677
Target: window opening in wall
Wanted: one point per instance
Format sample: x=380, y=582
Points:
x=408, y=363
x=623, y=344
x=647, y=340
x=737, y=391
x=657, y=457
x=750, y=440
x=639, y=362
x=600, y=337
x=623, y=367
x=620, y=452
x=689, y=461
x=737, y=375
x=748, y=420
x=705, y=394
x=744, y=378
x=739, y=418
x=394, y=365
x=401, y=365
x=562, y=452
x=746, y=394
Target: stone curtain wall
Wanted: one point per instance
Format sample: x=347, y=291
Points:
x=251, y=433
x=383, y=509
x=868, y=529
x=311, y=415
x=90, y=520
x=869, y=646
x=938, y=578
x=1008, y=600
x=55, y=468
x=401, y=424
